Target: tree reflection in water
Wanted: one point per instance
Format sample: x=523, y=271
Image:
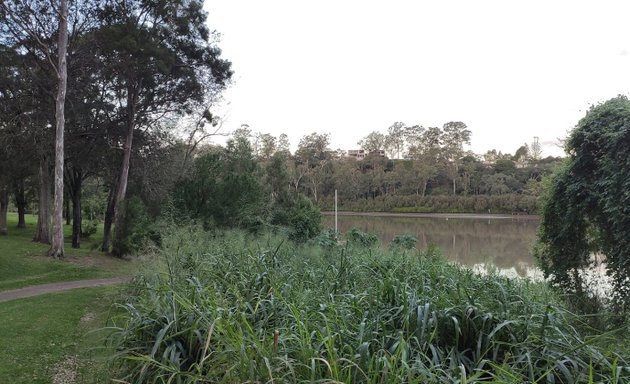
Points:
x=502, y=243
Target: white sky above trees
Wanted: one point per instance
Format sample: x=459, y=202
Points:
x=510, y=70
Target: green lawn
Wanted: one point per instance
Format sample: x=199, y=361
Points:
x=40, y=335
x=24, y=263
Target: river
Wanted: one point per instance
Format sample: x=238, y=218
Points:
x=503, y=242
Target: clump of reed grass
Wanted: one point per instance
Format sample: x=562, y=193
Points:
x=232, y=308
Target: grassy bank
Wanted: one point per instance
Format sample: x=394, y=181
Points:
x=232, y=308
x=52, y=338
x=24, y=263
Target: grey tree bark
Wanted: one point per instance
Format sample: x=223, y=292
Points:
x=42, y=231
x=57, y=250
x=109, y=217
x=119, y=207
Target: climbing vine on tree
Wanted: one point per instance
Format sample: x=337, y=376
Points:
x=587, y=207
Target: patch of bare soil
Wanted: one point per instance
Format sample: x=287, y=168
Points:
x=84, y=261
x=66, y=371
x=87, y=318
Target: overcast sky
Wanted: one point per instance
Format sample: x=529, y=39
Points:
x=510, y=70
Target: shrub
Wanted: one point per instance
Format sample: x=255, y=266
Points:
x=403, y=242
x=362, y=239
x=138, y=229
x=303, y=219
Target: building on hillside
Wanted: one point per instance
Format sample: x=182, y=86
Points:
x=361, y=154
x=358, y=154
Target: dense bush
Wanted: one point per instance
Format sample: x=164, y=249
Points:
x=403, y=242
x=138, y=229
x=587, y=207
x=223, y=190
x=303, y=220
x=232, y=308
x=359, y=238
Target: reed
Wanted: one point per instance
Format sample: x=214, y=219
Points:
x=232, y=308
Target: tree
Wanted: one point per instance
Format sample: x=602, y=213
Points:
x=311, y=157
x=535, y=150
x=425, y=151
x=4, y=206
x=222, y=189
x=373, y=142
x=266, y=146
x=586, y=209
x=455, y=135
x=31, y=26
x=160, y=58
x=283, y=143
x=395, y=139
x=522, y=154
x=56, y=249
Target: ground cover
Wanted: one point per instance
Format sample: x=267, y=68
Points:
x=24, y=263
x=235, y=308
x=54, y=338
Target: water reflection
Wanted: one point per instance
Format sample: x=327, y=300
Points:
x=476, y=242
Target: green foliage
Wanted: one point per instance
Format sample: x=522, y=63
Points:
x=88, y=228
x=362, y=239
x=304, y=220
x=403, y=242
x=587, y=207
x=223, y=190
x=138, y=230
x=327, y=239
x=240, y=309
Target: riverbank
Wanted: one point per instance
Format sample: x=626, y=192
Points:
x=475, y=216
x=259, y=309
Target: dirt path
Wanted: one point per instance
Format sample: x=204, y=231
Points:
x=42, y=289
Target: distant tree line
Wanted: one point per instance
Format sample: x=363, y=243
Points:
x=407, y=169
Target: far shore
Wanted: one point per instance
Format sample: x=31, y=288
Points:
x=489, y=216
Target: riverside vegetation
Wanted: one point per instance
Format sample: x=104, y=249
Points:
x=230, y=307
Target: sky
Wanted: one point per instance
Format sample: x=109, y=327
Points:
x=510, y=70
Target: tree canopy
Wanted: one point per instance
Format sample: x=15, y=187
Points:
x=587, y=208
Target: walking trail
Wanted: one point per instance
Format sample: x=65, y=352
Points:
x=42, y=289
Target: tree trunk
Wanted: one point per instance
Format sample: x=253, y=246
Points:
x=20, y=203
x=56, y=250
x=119, y=212
x=42, y=231
x=66, y=203
x=109, y=217
x=76, y=209
x=4, y=206
x=423, y=187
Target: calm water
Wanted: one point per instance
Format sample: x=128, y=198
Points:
x=504, y=243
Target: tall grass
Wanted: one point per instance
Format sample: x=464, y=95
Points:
x=232, y=308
